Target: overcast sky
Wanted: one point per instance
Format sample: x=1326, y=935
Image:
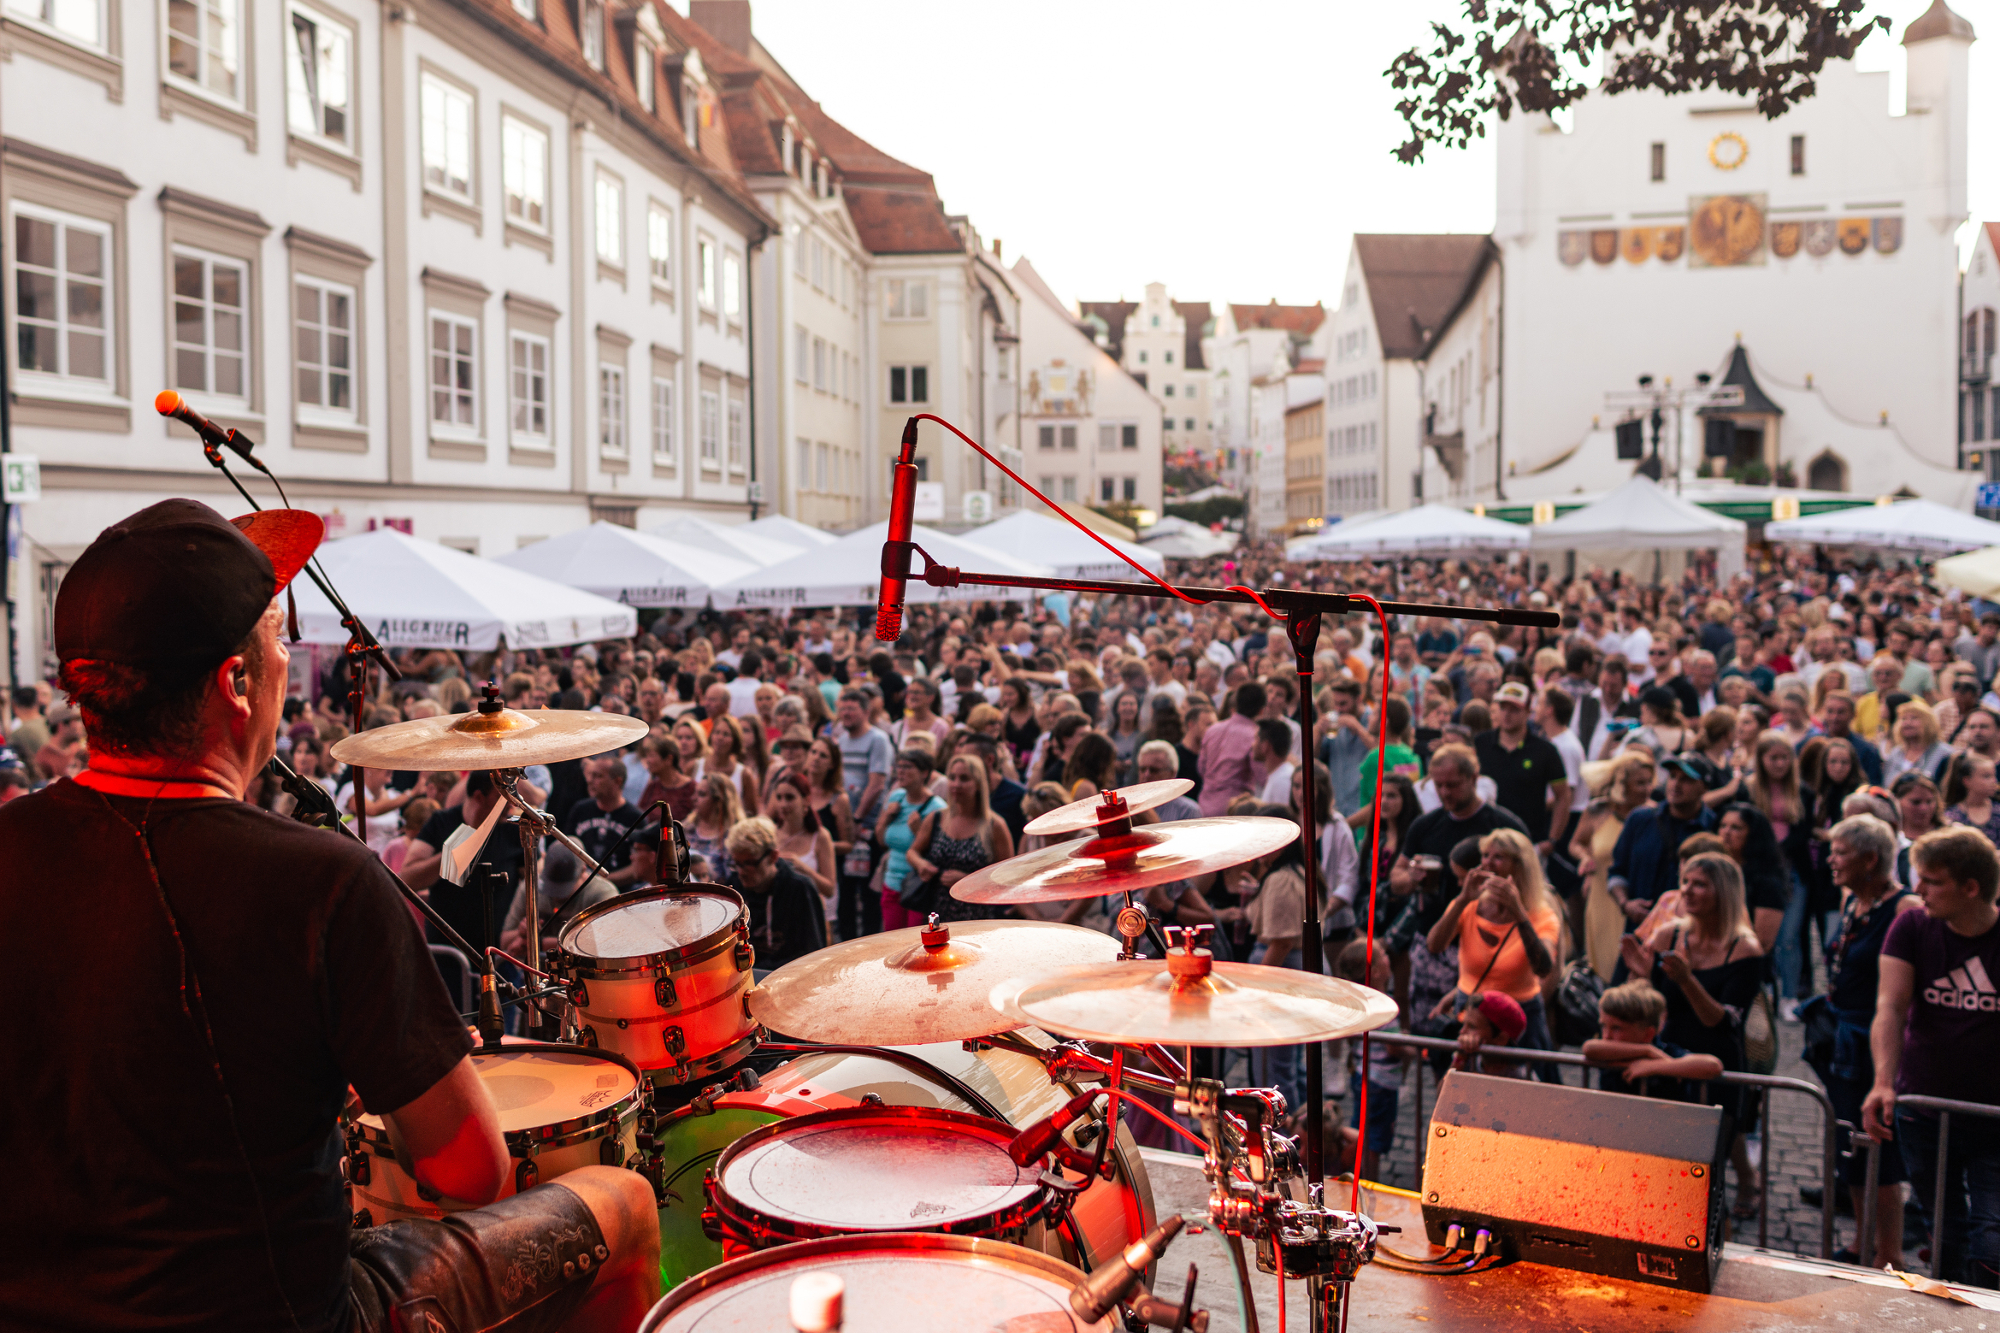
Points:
x=1227, y=150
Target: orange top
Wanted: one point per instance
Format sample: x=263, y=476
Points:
x=1510, y=973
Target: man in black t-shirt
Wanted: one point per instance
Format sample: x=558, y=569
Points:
x=482, y=897
x=1461, y=814
x=600, y=821
x=263, y=968
x=1528, y=774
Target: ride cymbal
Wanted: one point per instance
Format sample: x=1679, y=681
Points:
x=1108, y=807
x=501, y=738
x=1139, y=859
x=919, y=984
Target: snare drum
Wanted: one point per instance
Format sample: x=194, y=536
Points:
x=561, y=1107
x=896, y=1281
x=660, y=978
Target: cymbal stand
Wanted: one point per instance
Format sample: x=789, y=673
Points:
x=534, y=825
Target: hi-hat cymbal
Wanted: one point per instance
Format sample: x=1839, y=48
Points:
x=1153, y=854
x=1104, y=808
x=1209, y=1004
x=919, y=984
x=505, y=738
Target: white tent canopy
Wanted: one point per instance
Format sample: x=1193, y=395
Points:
x=1639, y=515
x=1907, y=525
x=845, y=572
x=635, y=568
x=418, y=594
x=1178, y=539
x=1976, y=572
x=781, y=528
x=735, y=540
x=1032, y=536
x=1427, y=529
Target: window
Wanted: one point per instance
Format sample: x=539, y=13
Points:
x=524, y=172
x=79, y=20
x=611, y=409
x=1046, y=437
x=1128, y=436
x=644, y=65
x=1188, y=424
x=739, y=415
x=323, y=320
x=1131, y=488
x=204, y=45
x=799, y=255
x=319, y=79
x=908, y=299
x=211, y=342
x=819, y=468
x=1048, y=484
x=690, y=113
x=610, y=220
x=732, y=287
x=1170, y=391
x=1798, y=154
x=1107, y=489
x=910, y=384
x=447, y=137
x=705, y=267
x=1069, y=488
x=664, y=441
x=526, y=9
x=590, y=31
x=1142, y=356
x=711, y=428
x=1068, y=436
x=801, y=354
x=805, y=465
x=1107, y=437
x=1659, y=172
x=528, y=388
x=819, y=364
x=62, y=285
x=1169, y=357
x=454, y=372
x=660, y=245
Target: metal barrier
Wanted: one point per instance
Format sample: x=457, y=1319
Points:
x=1946, y=1109
x=1766, y=1083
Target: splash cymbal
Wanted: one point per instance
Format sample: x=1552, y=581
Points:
x=1179, y=1002
x=1105, y=808
x=919, y=984
x=1153, y=854
x=503, y=738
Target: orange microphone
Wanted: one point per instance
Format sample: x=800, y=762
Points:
x=170, y=404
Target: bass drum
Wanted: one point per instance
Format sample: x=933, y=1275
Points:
x=1007, y=1085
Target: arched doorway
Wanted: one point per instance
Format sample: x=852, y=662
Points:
x=1826, y=473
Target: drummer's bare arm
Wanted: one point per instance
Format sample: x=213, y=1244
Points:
x=452, y=1133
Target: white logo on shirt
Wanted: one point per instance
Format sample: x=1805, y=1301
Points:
x=1966, y=987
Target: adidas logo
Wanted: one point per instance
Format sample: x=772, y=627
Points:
x=1967, y=987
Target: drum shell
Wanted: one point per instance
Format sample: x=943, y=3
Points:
x=677, y=1013
x=380, y=1182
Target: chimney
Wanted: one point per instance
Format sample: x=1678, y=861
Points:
x=728, y=21
x=996, y=248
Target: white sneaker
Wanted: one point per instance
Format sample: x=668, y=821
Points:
x=1788, y=1011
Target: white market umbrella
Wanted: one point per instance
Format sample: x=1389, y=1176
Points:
x=1639, y=514
x=782, y=528
x=1192, y=543
x=1907, y=525
x=418, y=594
x=1031, y=536
x=635, y=568
x=845, y=573
x=731, y=539
x=1426, y=530
x=1976, y=572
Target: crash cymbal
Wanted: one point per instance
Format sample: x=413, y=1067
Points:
x=1154, y=854
x=499, y=738
x=920, y=984
x=1105, y=808
x=1198, y=1002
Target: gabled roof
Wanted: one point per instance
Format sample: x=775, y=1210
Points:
x=1755, y=400
x=1114, y=314
x=1194, y=318
x=1299, y=320
x=1415, y=282
x=1993, y=236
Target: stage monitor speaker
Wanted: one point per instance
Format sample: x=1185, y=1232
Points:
x=1631, y=437
x=1598, y=1182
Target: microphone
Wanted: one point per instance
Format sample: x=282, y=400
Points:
x=170, y=404
x=1040, y=1138
x=1096, y=1295
x=896, y=550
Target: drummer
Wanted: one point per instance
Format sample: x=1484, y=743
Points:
x=205, y=981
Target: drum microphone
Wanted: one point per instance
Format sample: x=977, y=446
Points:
x=1098, y=1294
x=170, y=404
x=896, y=549
x=1040, y=1138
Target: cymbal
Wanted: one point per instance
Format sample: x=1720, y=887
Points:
x=919, y=984
x=505, y=738
x=1096, y=811
x=1211, y=1004
x=1153, y=854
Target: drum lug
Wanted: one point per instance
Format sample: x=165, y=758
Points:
x=676, y=1044
x=579, y=995
x=525, y=1176
x=587, y=1035
x=363, y=1219
x=746, y=954
x=609, y=1152
x=663, y=992
x=357, y=1164
x=427, y=1194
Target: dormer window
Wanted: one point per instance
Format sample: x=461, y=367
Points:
x=590, y=30
x=690, y=113
x=644, y=68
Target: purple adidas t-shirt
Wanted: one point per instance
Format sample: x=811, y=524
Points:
x=1954, y=1023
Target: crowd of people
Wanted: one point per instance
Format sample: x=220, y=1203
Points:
x=1691, y=814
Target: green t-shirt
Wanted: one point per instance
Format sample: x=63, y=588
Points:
x=1400, y=756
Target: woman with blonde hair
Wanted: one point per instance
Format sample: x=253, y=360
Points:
x=728, y=757
x=1914, y=745
x=1508, y=930
x=964, y=836
x=1627, y=786
x=716, y=811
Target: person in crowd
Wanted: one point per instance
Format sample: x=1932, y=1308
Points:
x=786, y=921
x=896, y=828
x=1272, y=889
x=1645, y=861
x=558, y=900
x=601, y=821
x=1931, y=1013
x=920, y=701
x=1627, y=786
x=962, y=837
x=826, y=797
x=1272, y=751
x=1344, y=740
x=1921, y=808
x=1508, y=930
x=666, y=781
x=716, y=812
x=1127, y=732
x=727, y=756
x=1837, y=721
x=1913, y=744
x=1339, y=858
x=1169, y=727
x=1092, y=765
x=1527, y=770
x=1748, y=840
x=802, y=840
x=411, y=818
x=1375, y=859
x=1019, y=727
x=1975, y=806
x=1401, y=754
x=1632, y=1055
x=1227, y=770
x=1384, y=1075
x=1489, y=1018
x=1871, y=711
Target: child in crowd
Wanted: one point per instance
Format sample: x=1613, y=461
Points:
x=1635, y=1060
x=1385, y=1067
x=1489, y=1018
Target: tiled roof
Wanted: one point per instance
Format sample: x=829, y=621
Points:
x=1300, y=320
x=1993, y=237
x=1114, y=314
x=900, y=220
x=1195, y=315
x=1415, y=282
x=1938, y=21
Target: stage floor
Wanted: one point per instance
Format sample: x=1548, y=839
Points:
x=1756, y=1290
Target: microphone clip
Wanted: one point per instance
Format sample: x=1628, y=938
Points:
x=897, y=563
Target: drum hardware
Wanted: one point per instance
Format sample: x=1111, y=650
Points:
x=1129, y=861
x=1122, y=1282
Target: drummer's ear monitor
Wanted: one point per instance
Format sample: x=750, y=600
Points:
x=1597, y=1182
x=241, y=680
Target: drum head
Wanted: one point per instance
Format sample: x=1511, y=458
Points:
x=879, y=1169
x=644, y=925
x=533, y=1087
x=892, y=1282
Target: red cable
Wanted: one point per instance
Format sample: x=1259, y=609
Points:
x=1374, y=884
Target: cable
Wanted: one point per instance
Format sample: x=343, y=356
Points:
x=1278, y=1259
x=1158, y=1115
x=493, y=949
x=1374, y=886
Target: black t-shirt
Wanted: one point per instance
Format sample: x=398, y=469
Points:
x=171, y=1032
x=598, y=830
x=1435, y=833
x=1655, y=1086
x=480, y=900
x=1521, y=776
x=786, y=918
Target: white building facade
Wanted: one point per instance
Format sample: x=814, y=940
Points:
x=1979, y=341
